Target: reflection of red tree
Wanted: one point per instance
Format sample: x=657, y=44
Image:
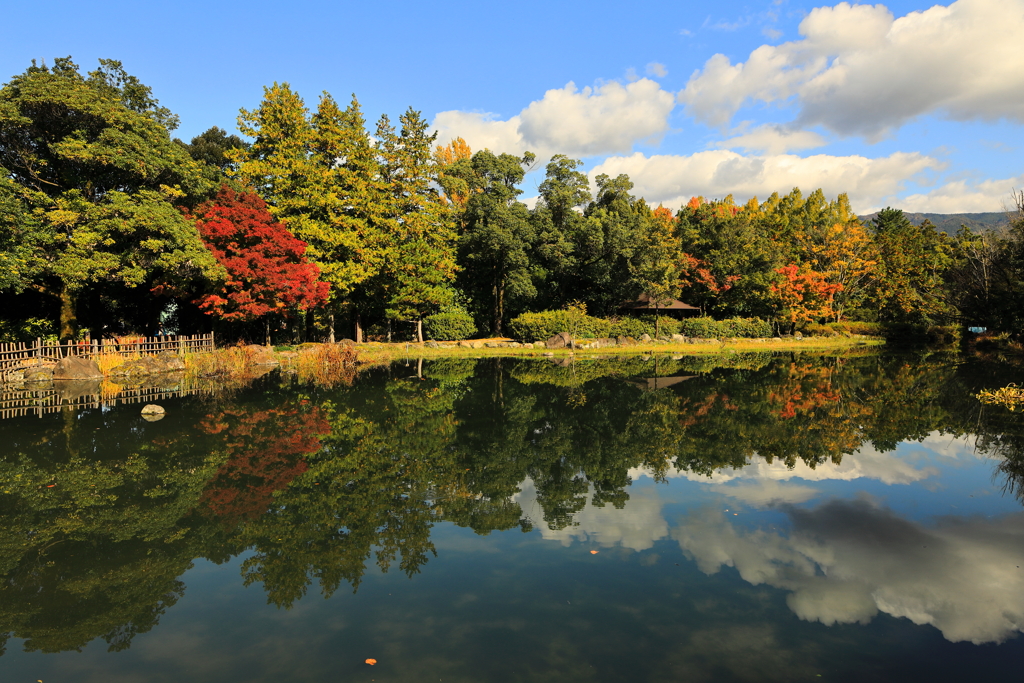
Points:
x=692, y=412
x=265, y=453
x=805, y=390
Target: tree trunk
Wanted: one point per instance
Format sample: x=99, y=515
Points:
x=68, y=319
x=499, y=306
x=419, y=330
x=330, y=327
x=359, y=328
x=266, y=329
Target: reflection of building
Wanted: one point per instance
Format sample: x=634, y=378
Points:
x=645, y=303
x=652, y=383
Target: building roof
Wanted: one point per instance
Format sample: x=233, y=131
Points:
x=646, y=302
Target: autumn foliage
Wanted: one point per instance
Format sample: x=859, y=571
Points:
x=266, y=450
x=266, y=265
x=804, y=294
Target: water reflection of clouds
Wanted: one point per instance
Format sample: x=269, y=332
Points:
x=846, y=560
x=635, y=526
x=761, y=482
x=842, y=561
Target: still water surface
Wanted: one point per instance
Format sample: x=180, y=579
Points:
x=779, y=519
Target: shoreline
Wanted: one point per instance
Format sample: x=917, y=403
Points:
x=382, y=352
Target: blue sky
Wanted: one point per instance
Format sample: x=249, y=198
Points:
x=905, y=104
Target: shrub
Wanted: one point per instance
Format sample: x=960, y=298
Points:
x=449, y=326
x=858, y=327
x=632, y=327
x=530, y=327
x=709, y=328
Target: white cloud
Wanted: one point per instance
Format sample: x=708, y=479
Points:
x=605, y=119
x=844, y=561
x=657, y=69
x=772, y=139
x=636, y=526
x=963, y=196
x=481, y=131
x=858, y=70
x=672, y=180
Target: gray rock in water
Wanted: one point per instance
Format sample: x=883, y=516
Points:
x=153, y=412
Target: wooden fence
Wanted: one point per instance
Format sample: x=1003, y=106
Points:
x=41, y=402
x=25, y=354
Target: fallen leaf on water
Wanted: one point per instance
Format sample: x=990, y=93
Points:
x=371, y=662
x=593, y=552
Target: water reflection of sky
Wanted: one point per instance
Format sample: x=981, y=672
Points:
x=920, y=532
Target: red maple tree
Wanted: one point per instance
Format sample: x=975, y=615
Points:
x=266, y=265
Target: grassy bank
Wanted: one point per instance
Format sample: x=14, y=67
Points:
x=381, y=353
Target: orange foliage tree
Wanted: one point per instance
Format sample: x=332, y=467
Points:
x=803, y=294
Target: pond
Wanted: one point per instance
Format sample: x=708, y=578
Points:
x=746, y=518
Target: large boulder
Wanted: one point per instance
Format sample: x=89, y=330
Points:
x=171, y=361
x=139, y=367
x=559, y=341
x=39, y=373
x=75, y=367
x=261, y=355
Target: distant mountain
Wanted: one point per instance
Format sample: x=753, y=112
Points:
x=951, y=222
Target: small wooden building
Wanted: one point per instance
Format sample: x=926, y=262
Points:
x=646, y=303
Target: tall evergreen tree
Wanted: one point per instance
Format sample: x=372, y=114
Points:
x=420, y=240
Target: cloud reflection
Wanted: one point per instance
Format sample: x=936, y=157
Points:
x=844, y=561
x=636, y=526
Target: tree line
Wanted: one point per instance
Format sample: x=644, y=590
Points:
x=315, y=226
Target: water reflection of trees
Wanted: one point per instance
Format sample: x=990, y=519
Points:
x=104, y=514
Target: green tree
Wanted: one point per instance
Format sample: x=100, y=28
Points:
x=91, y=158
x=740, y=255
x=416, y=223
x=557, y=219
x=912, y=261
x=212, y=146
x=496, y=241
